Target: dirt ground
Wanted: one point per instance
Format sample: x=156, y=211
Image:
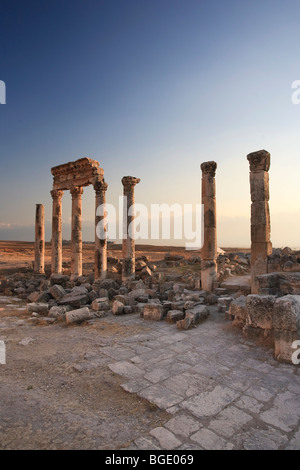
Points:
x=58, y=393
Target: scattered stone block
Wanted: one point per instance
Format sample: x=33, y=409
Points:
x=260, y=311
x=58, y=312
x=40, y=308
x=78, y=316
x=153, y=312
x=237, y=311
x=287, y=326
x=60, y=279
x=101, y=304
x=75, y=300
x=174, y=315
x=211, y=299
x=92, y=295
x=117, y=308
x=57, y=292
x=224, y=303
x=128, y=309
x=198, y=314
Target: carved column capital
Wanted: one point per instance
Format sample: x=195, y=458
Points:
x=76, y=191
x=130, y=181
x=259, y=161
x=57, y=193
x=100, y=187
x=209, y=168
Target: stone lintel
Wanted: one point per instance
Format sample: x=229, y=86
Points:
x=81, y=172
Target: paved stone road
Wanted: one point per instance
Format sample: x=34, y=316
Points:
x=222, y=391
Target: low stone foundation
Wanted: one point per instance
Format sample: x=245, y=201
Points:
x=270, y=317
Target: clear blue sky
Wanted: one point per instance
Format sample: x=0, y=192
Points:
x=150, y=88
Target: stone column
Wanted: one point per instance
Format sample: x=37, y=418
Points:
x=128, y=264
x=100, y=270
x=39, y=252
x=209, y=248
x=56, y=257
x=76, y=235
x=261, y=246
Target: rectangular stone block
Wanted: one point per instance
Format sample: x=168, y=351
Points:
x=78, y=315
x=259, y=186
x=57, y=291
x=287, y=313
x=260, y=249
x=174, y=315
x=260, y=213
x=153, y=312
x=289, y=283
x=267, y=281
x=260, y=310
x=260, y=234
x=238, y=308
x=208, y=187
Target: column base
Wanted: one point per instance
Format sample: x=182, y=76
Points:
x=208, y=274
x=128, y=269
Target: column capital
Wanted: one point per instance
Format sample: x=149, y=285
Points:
x=76, y=191
x=259, y=161
x=130, y=181
x=100, y=187
x=209, y=168
x=57, y=193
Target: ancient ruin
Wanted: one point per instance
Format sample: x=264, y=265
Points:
x=267, y=308
x=261, y=246
x=209, y=248
x=128, y=262
x=39, y=258
x=73, y=176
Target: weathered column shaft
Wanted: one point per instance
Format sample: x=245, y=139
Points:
x=56, y=257
x=209, y=248
x=76, y=235
x=39, y=252
x=128, y=265
x=100, y=270
x=261, y=246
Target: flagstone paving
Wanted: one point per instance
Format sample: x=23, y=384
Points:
x=221, y=390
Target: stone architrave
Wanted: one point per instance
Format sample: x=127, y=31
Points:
x=100, y=269
x=56, y=256
x=128, y=263
x=39, y=252
x=76, y=235
x=209, y=248
x=261, y=246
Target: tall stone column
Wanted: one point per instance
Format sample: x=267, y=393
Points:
x=128, y=264
x=100, y=270
x=39, y=251
x=76, y=235
x=209, y=248
x=261, y=246
x=56, y=257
